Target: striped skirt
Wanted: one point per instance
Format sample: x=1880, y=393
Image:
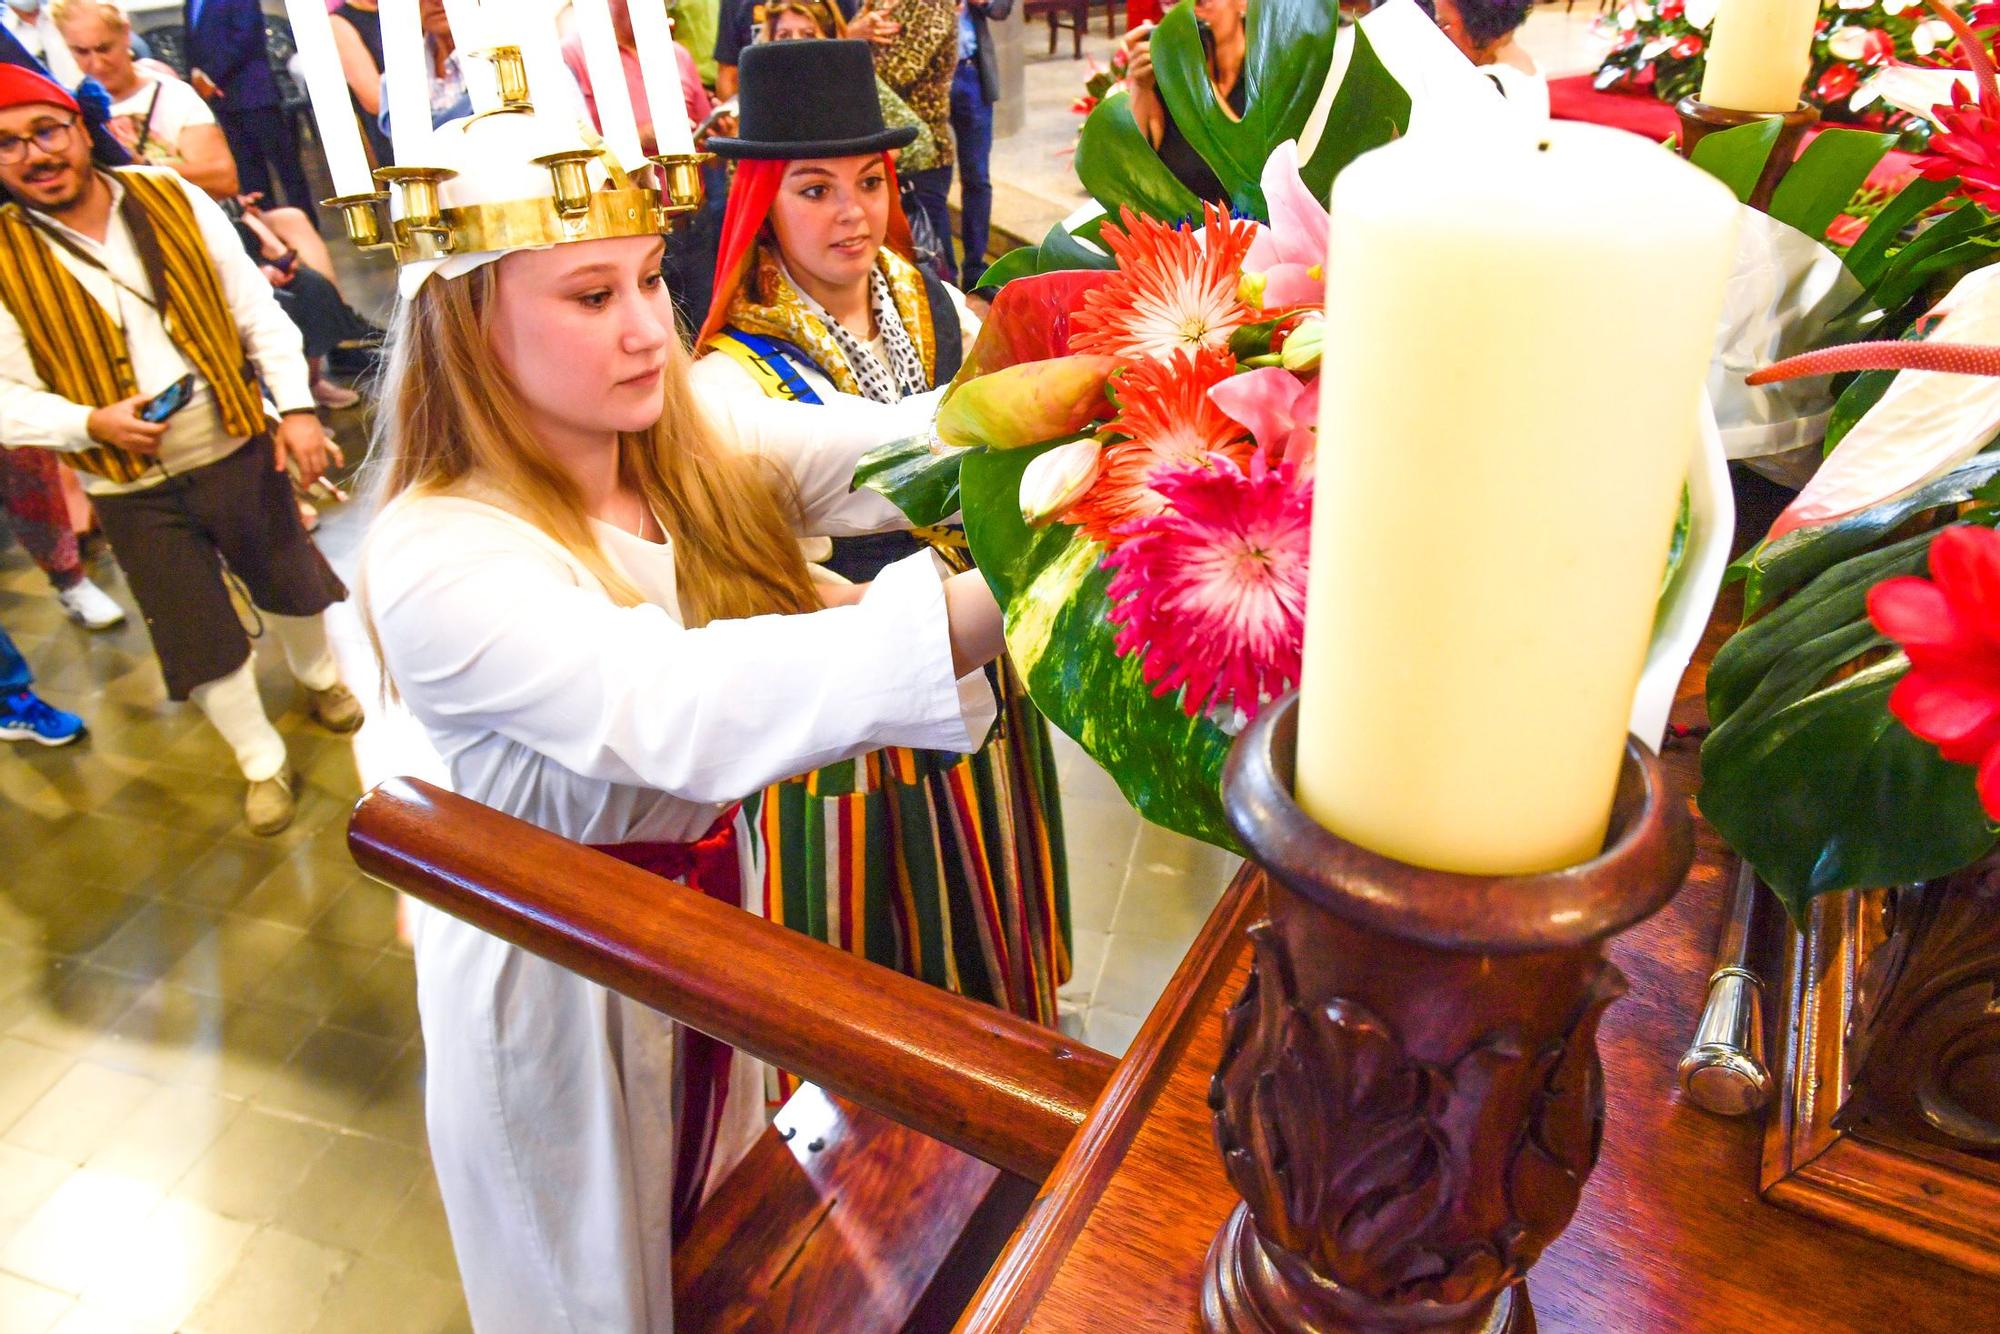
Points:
x=949, y=868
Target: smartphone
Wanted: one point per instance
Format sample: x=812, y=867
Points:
x=168, y=401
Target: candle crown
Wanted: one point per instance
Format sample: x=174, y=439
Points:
x=509, y=177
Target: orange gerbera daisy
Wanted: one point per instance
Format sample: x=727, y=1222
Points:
x=1165, y=410
x=1174, y=289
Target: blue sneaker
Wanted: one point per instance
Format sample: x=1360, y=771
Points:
x=27, y=717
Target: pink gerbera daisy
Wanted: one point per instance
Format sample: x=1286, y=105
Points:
x=1174, y=290
x=1165, y=409
x=1212, y=590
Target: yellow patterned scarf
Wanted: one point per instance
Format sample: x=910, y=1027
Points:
x=768, y=304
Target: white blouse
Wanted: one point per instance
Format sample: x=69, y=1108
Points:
x=610, y=724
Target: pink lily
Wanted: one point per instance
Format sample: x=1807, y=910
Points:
x=1290, y=253
x=1280, y=410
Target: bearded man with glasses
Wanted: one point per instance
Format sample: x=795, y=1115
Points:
x=138, y=337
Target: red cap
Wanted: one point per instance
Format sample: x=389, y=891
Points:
x=21, y=86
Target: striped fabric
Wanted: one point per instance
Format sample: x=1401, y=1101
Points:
x=77, y=349
x=945, y=867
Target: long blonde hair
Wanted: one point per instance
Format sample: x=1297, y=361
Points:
x=450, y=415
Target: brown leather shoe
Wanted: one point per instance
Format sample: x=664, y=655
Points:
x=336, y=708
x=268, y=807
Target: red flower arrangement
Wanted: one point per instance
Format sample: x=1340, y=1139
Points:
x=1966, y=144
x=1174, y=290
x=1167, y=416
x=1212, y=589
x=1949, y=626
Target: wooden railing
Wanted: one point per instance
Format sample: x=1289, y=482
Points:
x=1003, y=1090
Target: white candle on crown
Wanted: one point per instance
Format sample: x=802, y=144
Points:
x=672, y=135
x=406, y=71
x=606, y=67
x=551, y=87
x=470, y=34
x=339, y=135
x=1759, y=53
x=1517, y=336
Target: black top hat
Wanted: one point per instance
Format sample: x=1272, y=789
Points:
x=808, y=99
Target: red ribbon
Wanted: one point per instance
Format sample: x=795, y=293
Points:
x=709, y=864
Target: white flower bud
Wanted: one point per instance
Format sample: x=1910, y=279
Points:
x=1301, y=352
x=1057, y=479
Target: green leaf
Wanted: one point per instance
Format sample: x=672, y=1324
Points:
x=1736, y=156
x=1059, y=252
x=919, y=478
x=1861, y=394
x=1027, y=404
x=1369, y=110
x=1121, y=170
x=1820, y=796
x=1868, y=257
x=1053, y=587
x=1819, y=186
x=1289, y=55
x=1778, y=567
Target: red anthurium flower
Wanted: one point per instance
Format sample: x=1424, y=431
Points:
x=1949, y=626
x=1164, y=407
x=1212, y=590
x=1880, y=48
x=1174, y=290
x=1672, y=10
x=1687, y=48
x=1836, y=83
x=1846, y=229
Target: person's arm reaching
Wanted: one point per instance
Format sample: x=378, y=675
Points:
x=205, y=160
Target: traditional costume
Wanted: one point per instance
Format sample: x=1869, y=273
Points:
x=167, y=294
x=946, y=867
x=574, y=1131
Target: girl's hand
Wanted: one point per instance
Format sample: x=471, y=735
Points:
x=1138, y=48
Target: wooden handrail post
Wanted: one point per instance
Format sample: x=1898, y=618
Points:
x=1006, y=1091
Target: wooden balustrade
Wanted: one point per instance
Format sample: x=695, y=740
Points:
x=999, y=1088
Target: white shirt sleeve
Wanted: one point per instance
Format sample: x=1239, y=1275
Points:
x=483, y=632
x=269, y=335
x=818, y=444
x=30, y=415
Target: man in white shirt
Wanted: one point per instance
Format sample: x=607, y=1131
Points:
x=33, y=28
x=125, y=292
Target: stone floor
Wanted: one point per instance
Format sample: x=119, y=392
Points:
x=211, y=1113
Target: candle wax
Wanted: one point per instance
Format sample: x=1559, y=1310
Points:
x=1759, y=53
x=1518, y=330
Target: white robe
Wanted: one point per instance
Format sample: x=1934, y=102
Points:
x=551, y=1101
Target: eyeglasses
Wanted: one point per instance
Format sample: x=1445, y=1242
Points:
x=50, y=138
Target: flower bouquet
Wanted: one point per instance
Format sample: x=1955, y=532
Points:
x=1855, y=716
x=1661, y=45
x=1131, y=440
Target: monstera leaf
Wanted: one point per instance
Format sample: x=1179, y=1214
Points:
x=1288, y=57
x=1051, y=583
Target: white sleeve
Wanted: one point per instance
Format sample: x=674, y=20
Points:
x=818, y=444
x=30, y=415
x=188, y=108
x=483, y=633
x=268, y=333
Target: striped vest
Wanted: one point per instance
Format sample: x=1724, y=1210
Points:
x=77, y=348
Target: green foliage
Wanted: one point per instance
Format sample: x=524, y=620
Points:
x=1052, y=585
x=1736, y=156
x=1122, y=170
x=917, y=476
x=1826, y=176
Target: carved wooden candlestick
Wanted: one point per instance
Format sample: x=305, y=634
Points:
x=1409, y=1097
x=1699, y=120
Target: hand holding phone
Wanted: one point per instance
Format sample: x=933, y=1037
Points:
x=168, y=401
x=120, y=424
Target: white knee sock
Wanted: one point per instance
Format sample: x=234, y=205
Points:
x=307, y=653
x=233, y=707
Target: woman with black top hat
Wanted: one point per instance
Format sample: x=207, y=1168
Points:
x=947, y=867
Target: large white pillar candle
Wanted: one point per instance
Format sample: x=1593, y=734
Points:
x=406, y=72
x=655, y=39
x=1518, y=331
x=1759, y=53
x=333, y=113
x=607, y=83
